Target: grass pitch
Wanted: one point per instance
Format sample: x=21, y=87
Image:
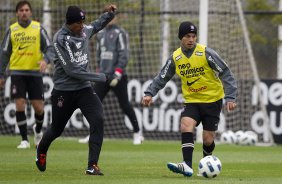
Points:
x=124, y=163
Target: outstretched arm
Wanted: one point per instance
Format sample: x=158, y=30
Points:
x=159, y=82
x=102, y=21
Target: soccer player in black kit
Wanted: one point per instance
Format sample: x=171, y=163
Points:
x=72, y=85
x=112, y=54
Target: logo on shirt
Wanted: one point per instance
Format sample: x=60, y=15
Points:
x=197, y=53
x=166, y=68
x=178, y=57
x=78, y=45
x=23, y=38
x=14, y=89
x=60, y=102
x=188, y=71
x=21, y=48
x=191, y=83
x=77, y=57
x=215, y=64
x=193, y=90
x=59, y=54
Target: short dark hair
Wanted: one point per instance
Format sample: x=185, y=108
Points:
x=22, y=3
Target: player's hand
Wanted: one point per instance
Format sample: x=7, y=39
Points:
x=147, y=100
x=230, y=106
x=42, y=65
x=115, y=78
x=114, y=82
x=110, y=8
x=2, y=82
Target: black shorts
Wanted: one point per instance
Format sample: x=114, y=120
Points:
x=22, y=85
x=207, y=113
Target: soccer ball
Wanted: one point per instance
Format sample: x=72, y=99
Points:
x=252, y=137
x=241, y=137
x=209, y=167
x=246, y=138
x=228, y=137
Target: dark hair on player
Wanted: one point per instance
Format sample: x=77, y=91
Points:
x=22, y=3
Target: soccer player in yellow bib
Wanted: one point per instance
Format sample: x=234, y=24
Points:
x=206, y=80
x=23, y=47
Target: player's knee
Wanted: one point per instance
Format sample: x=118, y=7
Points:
x=208, y=140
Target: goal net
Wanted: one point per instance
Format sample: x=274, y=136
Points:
x=153, y=28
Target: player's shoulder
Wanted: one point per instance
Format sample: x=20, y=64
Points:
x=118, y=29
x=14, y=27
x=201, y=46
x=35, y=22
x=210, y=52
x=60, y=35
x=14, y=24
x=123, y=31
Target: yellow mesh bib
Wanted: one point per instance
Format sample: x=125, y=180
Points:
x=25, y=47
x=200, y=84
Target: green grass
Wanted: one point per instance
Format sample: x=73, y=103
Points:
x=124, y=163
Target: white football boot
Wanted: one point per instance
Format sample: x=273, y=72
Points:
x=138, y=138
x=181, y=168
x=84, y=140
x=23, y=145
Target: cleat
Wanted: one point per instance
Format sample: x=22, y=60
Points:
x=23, y=145
x=137, y=138
x=41, y=162
x=93, y=170
x=181, y=168
x=84, y=140
x=37, y=136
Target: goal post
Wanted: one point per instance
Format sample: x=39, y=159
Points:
x=203, y=39
x=268, y=136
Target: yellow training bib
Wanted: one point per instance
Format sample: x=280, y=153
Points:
x=25, y=47
x=200, y=84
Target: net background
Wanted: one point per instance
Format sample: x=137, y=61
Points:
x=143, y=21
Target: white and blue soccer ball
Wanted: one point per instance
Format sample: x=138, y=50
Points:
x=228, y=137
x=209, y=166
x=252, y=137
x=246, y=138
x=241, y=137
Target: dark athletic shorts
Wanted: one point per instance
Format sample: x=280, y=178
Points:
x=22, y=85
x=207, y=113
